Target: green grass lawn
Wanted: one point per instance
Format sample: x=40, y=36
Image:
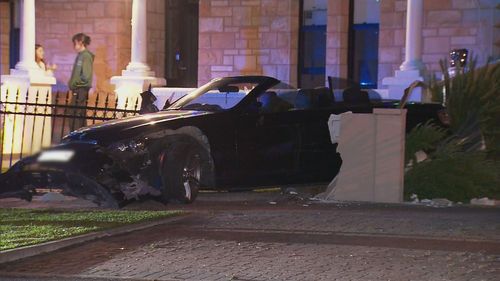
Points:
x=22, y=227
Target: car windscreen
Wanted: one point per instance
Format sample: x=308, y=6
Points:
x=285, y=92
x=215, y=97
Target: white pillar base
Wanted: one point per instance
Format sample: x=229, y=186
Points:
x=412, y=65
x=138, y=69
x=402, y=80
x=130, y=85
x=26, y=77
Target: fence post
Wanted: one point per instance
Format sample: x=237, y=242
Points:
x=13, y=129
x=3, y=109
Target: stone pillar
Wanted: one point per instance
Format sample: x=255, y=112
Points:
x=412, y=68
x=138, y=75
x=26, y=82
x=371, y=145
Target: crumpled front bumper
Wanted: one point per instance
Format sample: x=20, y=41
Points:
x=88, y=174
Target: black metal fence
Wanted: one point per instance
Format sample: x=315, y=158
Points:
x=32, y=121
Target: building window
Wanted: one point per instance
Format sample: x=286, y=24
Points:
x=363, y=42
x=312, y=43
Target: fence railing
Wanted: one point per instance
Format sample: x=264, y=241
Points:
x=30, y=122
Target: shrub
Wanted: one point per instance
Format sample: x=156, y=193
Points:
x=423, y=137
x=460, y=177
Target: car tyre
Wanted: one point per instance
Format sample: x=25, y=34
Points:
x=182, y=172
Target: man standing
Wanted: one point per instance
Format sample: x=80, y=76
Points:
x=81, y=79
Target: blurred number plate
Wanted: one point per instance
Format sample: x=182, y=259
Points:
x=56, y=156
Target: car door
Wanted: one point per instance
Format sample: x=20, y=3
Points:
x=267, y=147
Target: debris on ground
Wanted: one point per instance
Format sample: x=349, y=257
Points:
x=291, y=191
x=414, y=198
x=437, y=202
x=53, y=197
x=485, y=201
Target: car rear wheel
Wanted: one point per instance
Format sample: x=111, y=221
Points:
x=181, y=172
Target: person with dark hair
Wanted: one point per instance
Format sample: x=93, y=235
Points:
x=40, y=60
x=81, y=77
x=271, y=103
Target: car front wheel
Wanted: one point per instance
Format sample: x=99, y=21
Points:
x=181, y=172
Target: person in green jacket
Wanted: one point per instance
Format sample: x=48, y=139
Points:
x=81, y=78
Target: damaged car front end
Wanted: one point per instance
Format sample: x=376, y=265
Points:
x=107, y=172
x=108, y=176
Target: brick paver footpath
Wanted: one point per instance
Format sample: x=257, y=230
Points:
x=256, y=240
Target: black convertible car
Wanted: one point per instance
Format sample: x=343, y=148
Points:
x=232, y=133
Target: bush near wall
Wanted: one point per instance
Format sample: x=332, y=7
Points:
x=464, y=161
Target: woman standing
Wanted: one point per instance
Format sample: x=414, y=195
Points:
x=81, y=77
x=40, y=61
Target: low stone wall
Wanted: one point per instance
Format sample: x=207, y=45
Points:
x=170, y=94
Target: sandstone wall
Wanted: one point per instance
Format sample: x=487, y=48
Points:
x=248, y=37
x=447, y=24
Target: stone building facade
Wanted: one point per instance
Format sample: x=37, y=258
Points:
x=251, y=36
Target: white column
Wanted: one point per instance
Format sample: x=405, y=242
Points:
x=138, y=75
x=27, y=29
x=413, y=46
x=139, y=48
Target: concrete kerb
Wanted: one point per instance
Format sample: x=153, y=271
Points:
x=435, y=203
x=22, y=276
x=33, y=250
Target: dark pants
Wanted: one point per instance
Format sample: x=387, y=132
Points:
x=79, y=100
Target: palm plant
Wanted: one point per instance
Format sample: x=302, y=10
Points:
x=473, y=97
x=465, y=161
